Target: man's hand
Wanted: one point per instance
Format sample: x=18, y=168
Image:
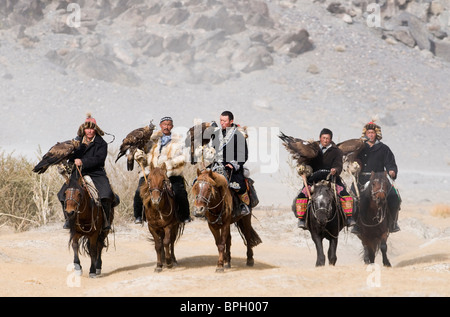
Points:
x=392, y=174
x=333, y=171
x=78, y=162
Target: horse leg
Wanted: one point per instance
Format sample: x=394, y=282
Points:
x=158, y=245
x=383, y=248
x=167, y=247
x=319, y=248
x=332, y=258
x=173, y=238
x=228, y=252
x=100, y=246
x=247, y=231
x=221, y=236
x=93, y=242
x=76, y=260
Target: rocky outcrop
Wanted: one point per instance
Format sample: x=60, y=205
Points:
x=205, y=40
x=424, y=24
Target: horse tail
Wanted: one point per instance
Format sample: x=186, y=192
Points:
x=179, y=232
x=245, y=229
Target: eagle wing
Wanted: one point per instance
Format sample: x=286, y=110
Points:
x=351, y=148
x=302, y=151
x=59, y=153
x=136, y=139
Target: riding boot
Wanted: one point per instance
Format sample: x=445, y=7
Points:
x=301, y=204
x=245, y=199
x=301, y=223
x=106, y=205
x=350, y=221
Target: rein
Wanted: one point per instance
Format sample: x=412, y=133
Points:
x=162, y=191
x=381, y=209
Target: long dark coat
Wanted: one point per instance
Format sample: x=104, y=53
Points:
x=377, y=158
x=93, y=157
x=332, y=158
x=236, y=151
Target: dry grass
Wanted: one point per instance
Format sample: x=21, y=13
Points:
x=442, y=211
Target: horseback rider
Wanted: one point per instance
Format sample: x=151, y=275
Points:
x=231, y=153
x=378, y=157
x=167, y=147
x=328, y=160
x=90, y=159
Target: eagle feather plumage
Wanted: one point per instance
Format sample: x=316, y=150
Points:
x=302, y=151
x=136, y=139
x=58, y=154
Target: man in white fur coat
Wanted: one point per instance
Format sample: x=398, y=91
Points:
x=166, y=147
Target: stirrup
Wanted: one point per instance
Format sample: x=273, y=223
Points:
x=301, y=223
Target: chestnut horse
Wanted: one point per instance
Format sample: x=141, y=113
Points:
x=373, y=218
x=160, y=212
x=86, y=225
x=214, y=201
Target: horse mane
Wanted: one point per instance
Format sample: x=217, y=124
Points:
x=144, y=190
x=219, y=185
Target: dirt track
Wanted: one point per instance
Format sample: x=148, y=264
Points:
x=37, y=263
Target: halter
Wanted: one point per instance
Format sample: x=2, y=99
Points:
x=164, y=190
x=381, y=203
x=202, y=198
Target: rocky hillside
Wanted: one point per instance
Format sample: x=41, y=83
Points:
x=296, y=66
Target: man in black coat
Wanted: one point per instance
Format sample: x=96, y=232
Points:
x=378, y=157
x=231, y=149
x=327, y=161
x=90, y=159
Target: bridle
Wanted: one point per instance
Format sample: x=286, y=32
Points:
x=201, y=184
x=163, y=190
x=381, y=203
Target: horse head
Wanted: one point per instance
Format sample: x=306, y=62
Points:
x=204, y=190
x=379, y=186
x=74, y=195
x=158, y=183
x=322, y=201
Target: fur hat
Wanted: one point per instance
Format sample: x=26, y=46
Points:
x=372, y=126
x=89, y=123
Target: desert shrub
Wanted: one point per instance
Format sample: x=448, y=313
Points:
x=441, y=211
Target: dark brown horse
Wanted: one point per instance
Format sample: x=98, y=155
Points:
x=160, y=212
x=373, y=219
x=86, y=225
x=324, y=220
x=214, y=201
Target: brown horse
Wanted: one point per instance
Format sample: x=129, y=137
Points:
x=214, y=201
x=86, y=225
x=373, y=218
x=160, y=208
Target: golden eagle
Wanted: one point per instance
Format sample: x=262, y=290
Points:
x=136, y=139
x=351, y=149
x=59, y=153
x=302, y=151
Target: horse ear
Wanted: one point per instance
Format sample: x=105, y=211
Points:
x=198, y=172
x=164, y=167
x=312, y=188
x=210, y=173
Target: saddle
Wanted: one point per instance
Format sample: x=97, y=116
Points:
x=93, y=192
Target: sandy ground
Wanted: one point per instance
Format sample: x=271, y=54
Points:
x=38, y=263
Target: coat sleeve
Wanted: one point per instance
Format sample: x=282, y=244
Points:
x=337, y=161
x=98, y=158
x=389, y=161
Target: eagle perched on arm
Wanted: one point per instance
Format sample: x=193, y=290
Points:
x=302, y=151
x=136, y=139
x=60, y=153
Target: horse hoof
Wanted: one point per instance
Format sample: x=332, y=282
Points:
x=98, y=272
x=158, y=269
x=220, y=270
x=92, y=275
x=250, y=262
x=77, y=269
